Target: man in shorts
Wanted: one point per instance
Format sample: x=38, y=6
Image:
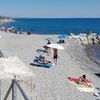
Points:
x=55, y=55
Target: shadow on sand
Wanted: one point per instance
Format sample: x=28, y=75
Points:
x=1, y=54
x=41, y=51
x=97, y=74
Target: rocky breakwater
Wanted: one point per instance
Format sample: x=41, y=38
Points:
x=86, y=39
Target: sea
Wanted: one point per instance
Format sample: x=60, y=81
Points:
x=60, y=26
x=56, y=25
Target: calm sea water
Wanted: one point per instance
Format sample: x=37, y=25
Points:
x=57, y=26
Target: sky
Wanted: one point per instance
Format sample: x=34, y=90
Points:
x=50, y=8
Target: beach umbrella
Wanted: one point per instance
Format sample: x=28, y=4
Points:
x=12, y=27
x=56, y=46
x=49, y=39
x=62, y=37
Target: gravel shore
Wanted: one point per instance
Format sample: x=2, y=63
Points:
x=52, y=83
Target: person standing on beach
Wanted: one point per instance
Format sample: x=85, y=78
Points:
x=55, y=55
x=48, y=48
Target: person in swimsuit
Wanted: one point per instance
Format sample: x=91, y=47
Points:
x=82, y=80
x=48, y=48
x=55, y=55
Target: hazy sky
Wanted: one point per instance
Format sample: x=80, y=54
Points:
x=50, y=8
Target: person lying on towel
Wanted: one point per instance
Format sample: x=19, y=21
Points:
x=83, y=80
x=41, y=59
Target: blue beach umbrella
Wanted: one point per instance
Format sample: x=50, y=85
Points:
x=49, y=39
x=62, y=37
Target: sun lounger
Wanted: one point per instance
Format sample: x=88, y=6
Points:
x=40, y=61
x=47, y=65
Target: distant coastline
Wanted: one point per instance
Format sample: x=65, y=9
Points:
x=5, y=20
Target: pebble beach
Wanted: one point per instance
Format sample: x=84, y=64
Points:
x=52, y=83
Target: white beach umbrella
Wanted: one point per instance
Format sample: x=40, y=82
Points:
x=55, y=45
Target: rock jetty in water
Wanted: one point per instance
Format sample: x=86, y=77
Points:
x=86, y=39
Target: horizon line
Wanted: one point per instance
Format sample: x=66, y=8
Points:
x=51, y=17
x=58, y=17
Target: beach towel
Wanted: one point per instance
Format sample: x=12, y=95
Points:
x=77, y=79
x=82, y=88
x=47, y=65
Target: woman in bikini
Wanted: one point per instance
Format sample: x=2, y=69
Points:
x=82, y=80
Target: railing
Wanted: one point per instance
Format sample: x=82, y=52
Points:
x=14, y=85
